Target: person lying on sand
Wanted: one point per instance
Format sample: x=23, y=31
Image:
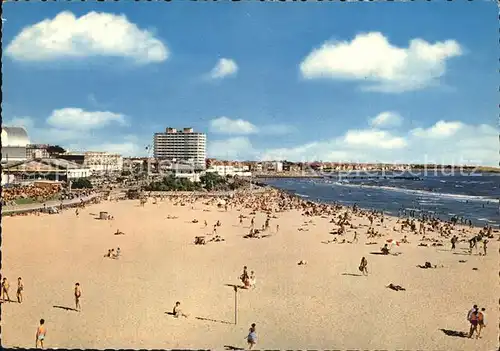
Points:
x=395, y=287
x=194, y=221
x=426, y=265
x=118, y=232
x=177, y=311
x=302, y=263
x=108, y=254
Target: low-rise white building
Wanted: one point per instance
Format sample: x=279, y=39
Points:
x=49, y=168
x=228, y=170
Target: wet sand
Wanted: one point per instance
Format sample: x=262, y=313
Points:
x=322, y=305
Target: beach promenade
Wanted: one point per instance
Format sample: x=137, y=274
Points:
x=325, y=304
x=8, y=210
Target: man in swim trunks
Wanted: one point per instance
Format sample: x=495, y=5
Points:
x=481, y=322
x=473, y=319
x=5, y=289
x=78, y=295
x=41, y=332
x=20, y=288
x=177, y=311
x=363, y=265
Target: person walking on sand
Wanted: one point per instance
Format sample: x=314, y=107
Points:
x=5, y=289
x=355, y=239
x=20, y=288
x=206, y=223
x=363, y=265
x=244, y=276
x=473, y=323
x=277, y=228
x=453, y=242
x=41, y=332
x=485, y=242
x=252, y=336
x=481, y=322
x=78, y=295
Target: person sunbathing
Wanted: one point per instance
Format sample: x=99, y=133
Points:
x=118, y=232
x=395, y=287
x=177, y=311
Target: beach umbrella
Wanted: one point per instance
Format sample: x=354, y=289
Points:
x=393, y=242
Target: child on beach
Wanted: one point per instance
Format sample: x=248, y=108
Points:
x=78, y=295
x=252, y=336
x=252, y=280
x=20, y=288
x=41, y=332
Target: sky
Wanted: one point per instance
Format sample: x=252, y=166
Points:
x=305, y=81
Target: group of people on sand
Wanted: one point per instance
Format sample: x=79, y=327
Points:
x=41, y=331
x=249, y=281
x=113, y=254
x=4, y=290
x=477, y=320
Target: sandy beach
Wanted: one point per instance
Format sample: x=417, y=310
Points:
x=324, y=304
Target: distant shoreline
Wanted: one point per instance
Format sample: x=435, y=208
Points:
x=366, y=173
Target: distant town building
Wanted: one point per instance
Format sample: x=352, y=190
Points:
x=37, y=151
x=181, y=145
x=47, y=168
x=96, y=161
x=230, y=170
x=14, y=142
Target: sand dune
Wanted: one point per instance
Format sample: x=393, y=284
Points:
x=323, y=304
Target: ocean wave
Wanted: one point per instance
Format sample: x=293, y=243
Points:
x=302, y=195
x=485, y=220
x=421, y=192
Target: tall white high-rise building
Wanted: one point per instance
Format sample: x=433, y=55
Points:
x=181, y=145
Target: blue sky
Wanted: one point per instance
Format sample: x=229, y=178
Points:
x=402, y=82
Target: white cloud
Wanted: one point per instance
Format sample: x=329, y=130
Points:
x=94, y=34
x=370, y=57
x=277, y=129
x=224, y=125
x=77, y=131
x=27, y=122
x=238, y=148
x=224, y=68
x=386, y=119
x=78, y=119
x=439, y=130
x=442, y=143
x=374, y=139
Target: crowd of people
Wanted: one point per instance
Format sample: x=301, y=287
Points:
x=33, y=191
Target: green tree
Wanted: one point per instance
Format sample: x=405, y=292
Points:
x=81, y=183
